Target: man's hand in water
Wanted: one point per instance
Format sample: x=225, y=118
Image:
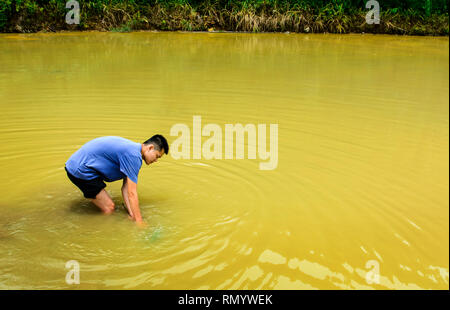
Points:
x=141, y=224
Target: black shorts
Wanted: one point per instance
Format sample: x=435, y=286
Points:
x=90, y=188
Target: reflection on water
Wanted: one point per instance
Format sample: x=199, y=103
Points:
x=362, y=171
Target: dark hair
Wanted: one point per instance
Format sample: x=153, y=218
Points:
x=159, y=142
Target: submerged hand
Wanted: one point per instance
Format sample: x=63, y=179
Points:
x=141, y=224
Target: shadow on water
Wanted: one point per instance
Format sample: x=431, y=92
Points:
x=4, y=233
x=10, y=226
x=84, y=206
x=81, y=206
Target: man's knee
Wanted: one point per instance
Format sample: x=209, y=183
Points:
x=104, y=202
x=110, y=207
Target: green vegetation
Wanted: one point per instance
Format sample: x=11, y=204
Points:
x=413, y=17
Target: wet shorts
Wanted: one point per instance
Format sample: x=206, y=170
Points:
x=90, y=188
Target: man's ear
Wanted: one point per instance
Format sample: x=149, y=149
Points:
x=151, y=147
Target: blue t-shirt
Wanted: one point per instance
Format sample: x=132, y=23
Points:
x=112, y=158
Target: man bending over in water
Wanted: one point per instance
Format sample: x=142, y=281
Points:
x=110, y=159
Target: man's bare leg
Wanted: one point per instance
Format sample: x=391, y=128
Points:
x=104, y=202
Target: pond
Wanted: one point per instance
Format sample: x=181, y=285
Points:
x=356, y=198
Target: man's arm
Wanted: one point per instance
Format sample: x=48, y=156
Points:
x=129, y=191
x=125, y=197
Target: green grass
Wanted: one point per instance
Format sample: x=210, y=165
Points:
x=424, y=17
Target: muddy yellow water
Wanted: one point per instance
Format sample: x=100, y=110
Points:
x=359, y=198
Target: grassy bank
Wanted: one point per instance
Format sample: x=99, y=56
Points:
x=412, y=17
